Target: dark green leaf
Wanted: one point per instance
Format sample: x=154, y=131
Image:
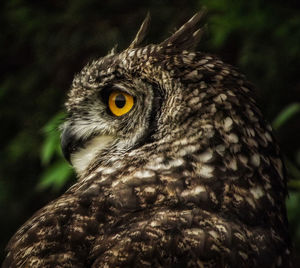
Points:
x=286, y=114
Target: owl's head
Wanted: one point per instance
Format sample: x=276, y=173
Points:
x=127, y=99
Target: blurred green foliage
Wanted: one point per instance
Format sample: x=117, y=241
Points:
x=288, y=112
x=56, y=174
x=45, y=42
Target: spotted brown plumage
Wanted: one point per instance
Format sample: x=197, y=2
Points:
x=190, y=176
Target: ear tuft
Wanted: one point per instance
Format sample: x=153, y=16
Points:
x=141, y=34
x=187, y=36
x=113, y=50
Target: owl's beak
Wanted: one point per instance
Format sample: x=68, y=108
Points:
x=80, y=152
x=68, y=144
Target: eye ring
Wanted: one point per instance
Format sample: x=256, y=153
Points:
x=120, y=103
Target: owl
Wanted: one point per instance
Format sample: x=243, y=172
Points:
x=176, y=167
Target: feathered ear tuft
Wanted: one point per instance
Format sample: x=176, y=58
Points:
x=141, y=34
x=188, y=36
x=113, y=50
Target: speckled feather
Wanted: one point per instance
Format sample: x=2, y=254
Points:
x=191, y=177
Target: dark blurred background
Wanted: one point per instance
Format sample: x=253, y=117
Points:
x=43, y=43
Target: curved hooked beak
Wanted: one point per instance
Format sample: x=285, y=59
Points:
x=69, y=144
x=81, y=152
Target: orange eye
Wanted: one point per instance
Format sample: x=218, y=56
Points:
x=120, y=102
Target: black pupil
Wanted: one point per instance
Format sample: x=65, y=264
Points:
x=120, y=101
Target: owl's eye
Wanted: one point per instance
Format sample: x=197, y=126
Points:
x=120, y=102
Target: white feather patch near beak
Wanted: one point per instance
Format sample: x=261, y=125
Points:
x=83, y=157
